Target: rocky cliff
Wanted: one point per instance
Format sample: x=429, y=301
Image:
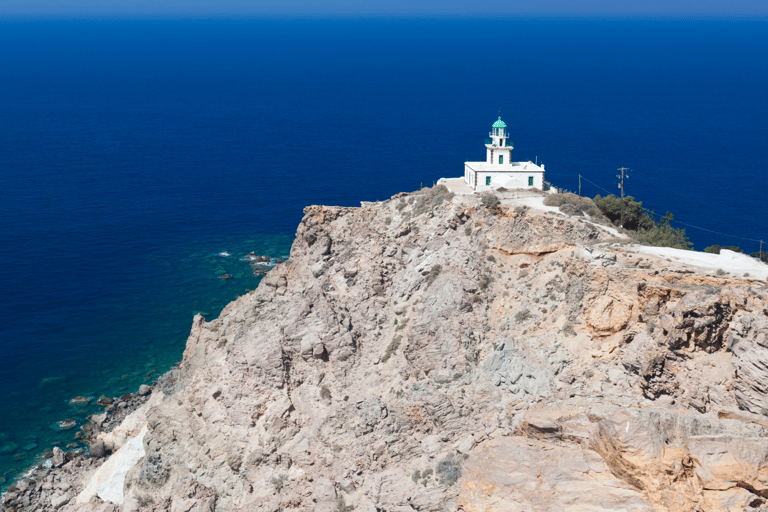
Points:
x=438, y=353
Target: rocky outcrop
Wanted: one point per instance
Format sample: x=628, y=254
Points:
x=428, y=353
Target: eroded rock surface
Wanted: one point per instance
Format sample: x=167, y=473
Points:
x=427, y=353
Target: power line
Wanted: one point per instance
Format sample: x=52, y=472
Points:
x=676, y=221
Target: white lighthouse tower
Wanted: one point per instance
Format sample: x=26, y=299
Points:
x=499, y=170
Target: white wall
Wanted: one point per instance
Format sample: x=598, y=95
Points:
x=511, y=180
x=507, y=152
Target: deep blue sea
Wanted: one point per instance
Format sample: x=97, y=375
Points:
x=132, y=152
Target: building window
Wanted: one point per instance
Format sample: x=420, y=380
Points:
x=530, y=181
x=487, y=181
x=501, y=159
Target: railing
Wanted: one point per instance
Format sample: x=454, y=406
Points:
x=509, y=144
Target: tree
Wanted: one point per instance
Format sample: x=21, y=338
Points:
x=664, y=235
x=635, y=217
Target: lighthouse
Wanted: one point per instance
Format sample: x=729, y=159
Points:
x=499, y=170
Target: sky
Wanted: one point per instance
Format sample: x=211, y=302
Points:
x=379, y=8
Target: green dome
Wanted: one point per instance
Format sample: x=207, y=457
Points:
x=499, y=124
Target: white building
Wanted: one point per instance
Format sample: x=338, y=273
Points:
x=499, y=170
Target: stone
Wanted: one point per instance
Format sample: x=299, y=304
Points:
x=96, y=449
x=144, y=390
x=59, y=500
x=58, y=459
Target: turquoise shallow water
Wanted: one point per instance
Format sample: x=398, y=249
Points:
x=130, y=340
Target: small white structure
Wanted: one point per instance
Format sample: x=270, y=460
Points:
x=499, y=170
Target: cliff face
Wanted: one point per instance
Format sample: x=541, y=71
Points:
x=430, y=353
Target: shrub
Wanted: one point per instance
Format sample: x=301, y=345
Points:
x=468, y=230
x=713, y=249
x=278, y=482
x=569, y=330
x=341, y=506
x=490, y=201
x=388, y=221
x=635, y=216
x=378, y=290
x=257, y=458
x=429, y=198
x=449, y=469
x=571, y=204
x=416, y=476
x=400, y=205
x=523, y=273
x=664, y=235
x=433, y=273
x=145, y=501
x=720, y=272
x=391, y=348
x=491, y=258
x=522, y=316
x=325, y=393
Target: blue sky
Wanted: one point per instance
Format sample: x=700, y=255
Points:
x=376, y=8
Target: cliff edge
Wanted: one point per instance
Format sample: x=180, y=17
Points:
x=434, y=352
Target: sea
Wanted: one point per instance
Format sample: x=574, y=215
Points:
x=143, y=159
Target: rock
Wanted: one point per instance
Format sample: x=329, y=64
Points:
x=104, y=401
x=67, y=424
x=144, y=390
x=96, y=449
x=79, y=400
x=98, y=419
x=319, y=268
x=225, y=276
x=59, y=500
x=58, y=458
x=394, y=343
x=523, y=474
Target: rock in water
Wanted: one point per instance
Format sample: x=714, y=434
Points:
x=58, y=459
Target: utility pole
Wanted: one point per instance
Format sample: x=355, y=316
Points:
x=761, y=250
x=579, y=186
x=624, y=174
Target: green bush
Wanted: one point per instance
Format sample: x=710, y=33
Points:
x=664, y=235
x=449, y=469
x=392, y=348
x=433, y=273
x=341, y=505
x=490, y=201
x=325, y=393
x=428, y=198
x=635, y=217
x=713, y=249
x=522, y=316
x=570, y=204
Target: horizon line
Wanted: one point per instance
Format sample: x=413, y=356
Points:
x=367, y=16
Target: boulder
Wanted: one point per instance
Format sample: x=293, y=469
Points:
x=96, y=449
x=59, y=500
x=144, y=390
x=58, y=458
